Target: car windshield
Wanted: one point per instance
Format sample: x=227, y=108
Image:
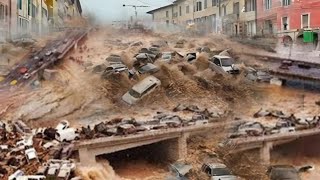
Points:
x=166, y=56
x=221, y=172
x=227, y=61
x=134, y=93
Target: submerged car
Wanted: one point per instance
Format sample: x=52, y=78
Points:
x=166, y=57
x=141, y=89
x=218, y=171
x=148, y=68
x=283, y=172
x=225, y=63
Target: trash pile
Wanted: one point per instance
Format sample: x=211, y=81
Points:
x=284, y=124
x=35, y=153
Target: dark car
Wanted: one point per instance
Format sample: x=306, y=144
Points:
x=283, y=172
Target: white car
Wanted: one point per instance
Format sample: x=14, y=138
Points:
x=64, y=124
x=141, y=89
x=69, y=134
x=26, y=76
x=35, y=177
x=15, y=175
x=225, y=63
x=31, y=154
x=218, y=171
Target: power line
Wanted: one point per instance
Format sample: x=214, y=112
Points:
x=151, y=4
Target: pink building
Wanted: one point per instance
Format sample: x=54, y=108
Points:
x=288, y=18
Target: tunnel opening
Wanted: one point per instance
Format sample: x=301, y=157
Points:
x=297, y=152
x=146, y=159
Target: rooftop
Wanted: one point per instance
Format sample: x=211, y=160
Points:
x=152, y=11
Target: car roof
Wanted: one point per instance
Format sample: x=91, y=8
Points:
x=120, y=65
x=221, y=57
x=216, y=165
x=145, y=84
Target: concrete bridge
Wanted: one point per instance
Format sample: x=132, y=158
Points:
x=266, y=143
x=170, y=143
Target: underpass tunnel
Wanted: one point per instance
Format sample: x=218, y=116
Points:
x=159, y=154
x=297, y=150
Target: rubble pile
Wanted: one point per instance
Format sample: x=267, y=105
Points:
x=47, y=151
x=284, y=124
x=34, y=153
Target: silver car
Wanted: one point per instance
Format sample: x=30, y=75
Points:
x=218, y=171
x=141, y=89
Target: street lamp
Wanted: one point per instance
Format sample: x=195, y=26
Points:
x=135, y=8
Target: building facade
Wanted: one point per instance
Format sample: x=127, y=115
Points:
x=288, y=19
x=4, y=19
x=295, y=16
x=232, y=17
x=21, y=18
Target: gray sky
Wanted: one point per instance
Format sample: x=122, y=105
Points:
x=110, y=10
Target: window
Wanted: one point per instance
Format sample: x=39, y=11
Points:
x=44, y=13
x=250, y=5
x=214, y=2
x=199, y=6
x=207, y=170
x=268, y=4
x=29, y=7
x=236, y=8
x=167, y=14
x=180, y=11
x=205, y=4
x=217, y=61
x=7, y=11
x=305, y=23
x=286, y=2
x=187, y=9
x=285, y=23
x=2, y=12
x=34, y=10
x=20, y=4
x=224, y=10
x=149, y=89
x=134, y=93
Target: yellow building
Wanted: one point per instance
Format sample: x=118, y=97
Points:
x=62, y=11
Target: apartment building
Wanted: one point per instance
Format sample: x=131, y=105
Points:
x=287, y=18
x=38, y=15
x=4, y=19
x=60, y=11
x=232, y=17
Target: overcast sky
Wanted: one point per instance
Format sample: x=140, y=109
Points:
x=112, y=10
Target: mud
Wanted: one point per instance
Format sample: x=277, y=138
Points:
x=84, y=98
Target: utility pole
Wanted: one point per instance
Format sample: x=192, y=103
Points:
x=135, y=9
